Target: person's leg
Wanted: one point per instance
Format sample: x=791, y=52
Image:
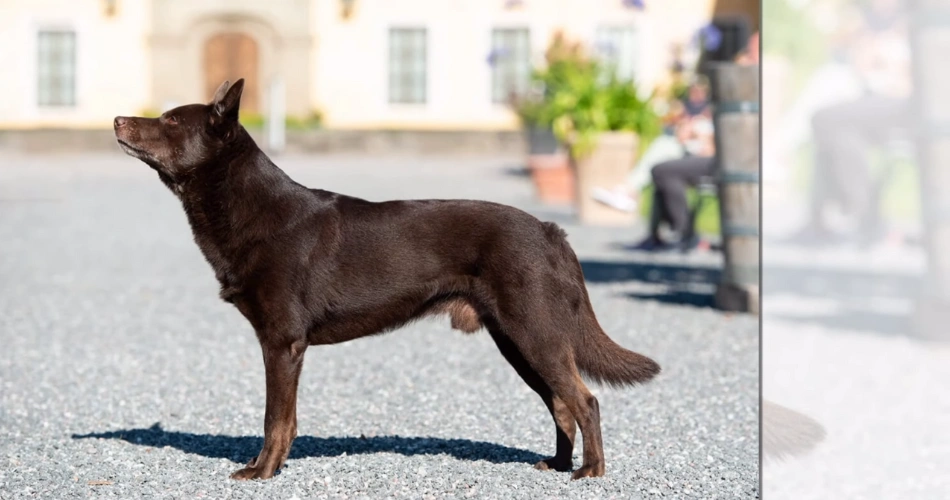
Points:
x=842, y=172
x=671, y=179
x=824, y=133
x=895, y=120
x=624, y=197
x=662, y=149
x=653, y=242
x=844, y=135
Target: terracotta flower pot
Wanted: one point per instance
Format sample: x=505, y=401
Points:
x=553, y=178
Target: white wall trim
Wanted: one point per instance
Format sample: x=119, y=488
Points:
x=31, y=107
x=433, y=90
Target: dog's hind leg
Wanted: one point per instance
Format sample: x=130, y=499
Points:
x=551, y=357
x=586, y=410
x=564, y=423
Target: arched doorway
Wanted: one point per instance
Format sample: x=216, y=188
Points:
x=229, y=56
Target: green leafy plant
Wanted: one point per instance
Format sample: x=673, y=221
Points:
x=251, y=120
x=535, y=109
x=530, y=109
x=588, y=104
x=793, y=34
x=627, y=110
x=583, y=99
x=312, y=121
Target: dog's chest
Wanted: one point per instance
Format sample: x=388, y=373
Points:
x=212, y=243
x=213, y=254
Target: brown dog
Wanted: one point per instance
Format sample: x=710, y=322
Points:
x=311, y=267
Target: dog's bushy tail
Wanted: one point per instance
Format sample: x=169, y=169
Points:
x=606, y=362
x=597, y=356
x=787, y=433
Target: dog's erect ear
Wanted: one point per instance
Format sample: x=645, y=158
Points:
x=219, y=94
x=227, y=105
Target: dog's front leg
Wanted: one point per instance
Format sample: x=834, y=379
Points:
x=282, y=364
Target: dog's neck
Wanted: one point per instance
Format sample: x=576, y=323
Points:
x=235, y=201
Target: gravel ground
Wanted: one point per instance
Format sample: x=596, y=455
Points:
x=123, y=375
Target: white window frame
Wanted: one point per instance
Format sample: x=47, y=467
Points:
x=602, y=35
x=495, y=69
x=53, y=104
x=31, y=26
x=426, y=79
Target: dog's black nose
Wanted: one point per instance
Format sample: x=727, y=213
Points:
x=120, y=121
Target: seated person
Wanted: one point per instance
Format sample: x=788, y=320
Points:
x=672, y=163
x=692, y=113
x=846, y=133
x=671, y=178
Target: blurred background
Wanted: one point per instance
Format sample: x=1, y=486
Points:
x=535, y=80
x=854, y=247
x=343, y=64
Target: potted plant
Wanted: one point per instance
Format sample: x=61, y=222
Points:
x=539, y=135
x=606, y=124
x=547, y=159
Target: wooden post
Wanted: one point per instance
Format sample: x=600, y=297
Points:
x=930, y=41
x=736, y=91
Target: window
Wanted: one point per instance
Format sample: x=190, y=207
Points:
x=511, y=63
x=56, y=68
x=407, y=65
x=617, y=47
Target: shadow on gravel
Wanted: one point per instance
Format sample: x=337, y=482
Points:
x=851, y=297
x=839, y=284
x=856, y=320
x=680, y=285
x=240, y=449
x=673, y=275
x=677, y=297
x=517, y=171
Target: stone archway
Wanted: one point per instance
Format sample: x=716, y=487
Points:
x=229, y=56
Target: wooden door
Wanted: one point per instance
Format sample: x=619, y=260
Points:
x=230, y=56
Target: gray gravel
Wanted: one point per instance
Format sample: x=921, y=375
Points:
x=123, y=375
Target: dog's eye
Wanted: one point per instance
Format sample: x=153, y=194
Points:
x=171, y=120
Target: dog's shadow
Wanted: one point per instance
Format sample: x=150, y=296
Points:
x=240, y=449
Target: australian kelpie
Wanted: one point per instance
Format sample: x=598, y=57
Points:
x=311, y=267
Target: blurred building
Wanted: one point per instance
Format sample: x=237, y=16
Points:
x=364, y=64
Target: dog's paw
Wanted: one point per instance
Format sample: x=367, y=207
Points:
x=252, y=473
x=590, y=470
x=554, y=463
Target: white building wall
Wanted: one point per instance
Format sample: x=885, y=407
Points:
x=348, y=79
x=350, y=60
x=112, y=73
